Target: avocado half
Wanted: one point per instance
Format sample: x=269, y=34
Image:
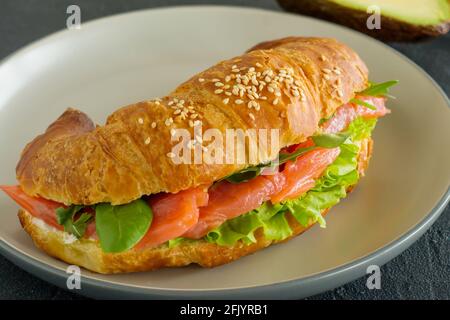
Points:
x=401, y=20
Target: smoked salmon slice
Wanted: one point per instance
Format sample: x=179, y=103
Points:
x=301, y=175
x=228, y=200
x=173, y=215
x=350, y=111
x=38, y=207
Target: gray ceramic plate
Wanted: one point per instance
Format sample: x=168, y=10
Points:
x=131, y=57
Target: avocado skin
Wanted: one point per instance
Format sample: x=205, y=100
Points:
x=391, y=29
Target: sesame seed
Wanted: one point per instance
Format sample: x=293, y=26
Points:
x=170, y=103
x=157, y=102
x=168, y=122
x=323, y=58
x=226, y=100
x=238, y=101
x=278, y=94
x=171, y=154
x=218, y=84
x=251, y=116
x=252, y=69
x=201, y=79
x=215, y=80
x=234, y=66
x=153, y=125
x=227, y=78
x=141, y=121
x=275, y=101
x=235, y=70
x=218, y=91
x=228, y=93
x=259, y=65
x=325, y=70
x=147, y=141
x=340, y=93
x=191, y=123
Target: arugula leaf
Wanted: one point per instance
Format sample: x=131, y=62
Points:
x=121, y=227
x=363, y=103
x=66, y=216
x=245, y=174
x=378, y=89
x=330, y=140
x=285, y=157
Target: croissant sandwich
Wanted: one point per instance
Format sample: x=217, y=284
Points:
x=250, y=152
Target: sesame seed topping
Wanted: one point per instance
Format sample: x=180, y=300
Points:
x=171, y=154
x=147, y=141
x=239, y=101
x=259, y=65
x=215, y=80
x=141, y=121
x=218, y=84
x=218, y=91
x=251, y=116
x=201, y=80
x=153, y=125
x=325, y=70
x=226, y=100
x=275, y=101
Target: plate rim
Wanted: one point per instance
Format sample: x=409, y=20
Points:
x=284, y=289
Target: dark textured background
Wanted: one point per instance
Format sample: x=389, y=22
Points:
x=421, y=272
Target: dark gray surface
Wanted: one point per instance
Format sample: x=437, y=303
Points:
x=421, y=272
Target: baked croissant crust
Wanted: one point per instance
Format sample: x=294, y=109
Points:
x=76, y=162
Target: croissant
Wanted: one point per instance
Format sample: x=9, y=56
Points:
x=75, y=162
x=305, y=88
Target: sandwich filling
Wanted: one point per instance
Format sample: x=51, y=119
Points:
x=310, y=177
